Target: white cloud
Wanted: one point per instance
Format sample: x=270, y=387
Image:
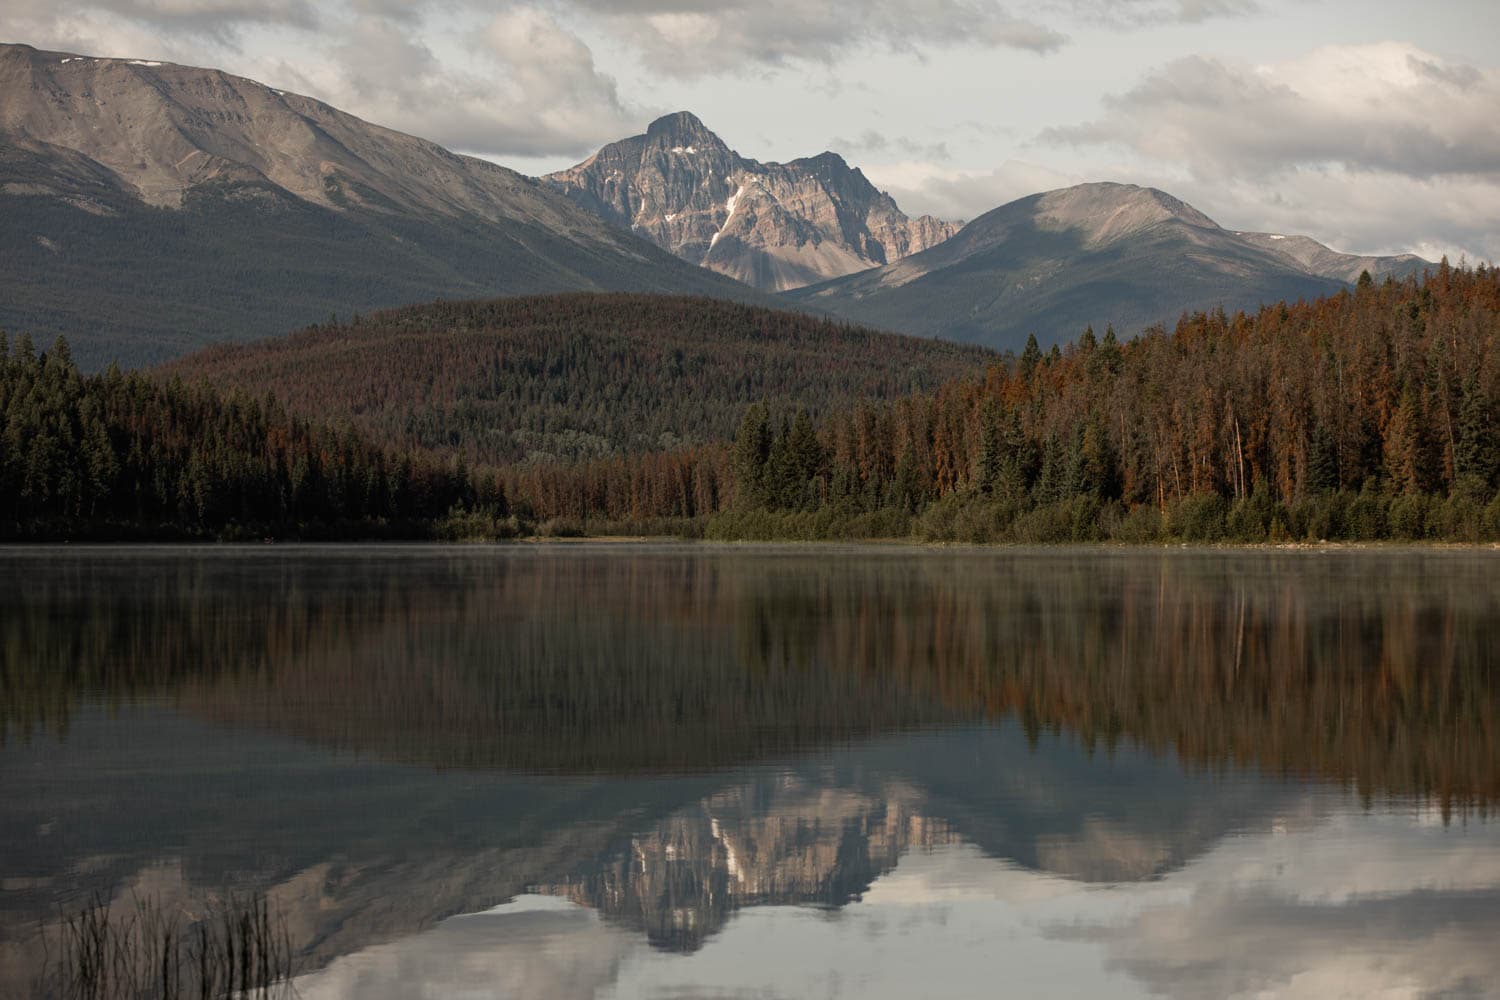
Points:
x=1371, y=148
x=1388, y=107
x=692, y=38
x=530, y=88
x=518, y=84
x=172, y=20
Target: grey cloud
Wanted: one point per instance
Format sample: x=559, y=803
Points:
x=685, y=38
x=540, y=94
x=1454, y=76
x=529, y=87
x=1146, y=13
x=211, y=18
x=950, y=194
x=873, y=142
x=1379, y=108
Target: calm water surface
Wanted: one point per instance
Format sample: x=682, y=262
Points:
x=676, y=771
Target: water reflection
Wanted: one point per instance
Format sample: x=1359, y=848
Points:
x=661, y=769
x=1269, y=913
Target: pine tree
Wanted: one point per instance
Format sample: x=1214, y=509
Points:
x=751, y=456
x=1031, y=357
x=992, y=451
x=1476, y=458
x=808, y=460
x=1322, y=461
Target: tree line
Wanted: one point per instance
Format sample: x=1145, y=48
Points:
x=1369, y=414
x=127, y=456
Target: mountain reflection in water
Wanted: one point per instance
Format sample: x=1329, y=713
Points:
x=1101, y=753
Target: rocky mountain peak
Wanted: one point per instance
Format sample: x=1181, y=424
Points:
x=1104, y=212
x=682, y=128
x=776, y=226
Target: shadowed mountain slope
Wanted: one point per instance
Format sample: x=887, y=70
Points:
x=148, y=208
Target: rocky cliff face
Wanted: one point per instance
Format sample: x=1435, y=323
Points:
x=772, y=225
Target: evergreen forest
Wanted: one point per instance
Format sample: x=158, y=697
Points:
x=1367, y=415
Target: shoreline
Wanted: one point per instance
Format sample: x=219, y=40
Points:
x=675, y=541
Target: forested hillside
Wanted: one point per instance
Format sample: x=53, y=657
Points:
x=1370, y=414
x=572, y=377
x=1367, y=414
x=123, y=456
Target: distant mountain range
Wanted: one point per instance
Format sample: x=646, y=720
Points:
x=149, y=208
x=772, y=225
x=1095, y=254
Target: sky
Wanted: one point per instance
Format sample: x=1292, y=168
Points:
x=1370, y=126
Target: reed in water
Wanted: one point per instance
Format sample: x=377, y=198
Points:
x=148, y=950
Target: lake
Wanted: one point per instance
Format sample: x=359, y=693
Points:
x=690, y=771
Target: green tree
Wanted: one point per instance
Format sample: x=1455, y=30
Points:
x=751, y=456
x=1476, y=457
x=1031, y=357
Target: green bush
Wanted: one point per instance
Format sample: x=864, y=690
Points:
x=1249, y=519
x=1368, y=516
x=1408, y=516
x=1319, y=517
x=561, y=527
x=1075, y=520
x=970, y=518
x=1490, y=526
x=478, y=525
x=1456, y=519
x=824, y=524
x=1140, y=525
x=1198, y=518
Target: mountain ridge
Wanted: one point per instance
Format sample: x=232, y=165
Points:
x=775, y=226
x=1096, y=254
x=149, y=208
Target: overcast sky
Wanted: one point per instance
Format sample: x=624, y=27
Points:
x=1371, y=126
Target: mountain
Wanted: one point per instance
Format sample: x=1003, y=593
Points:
x=1095, y=254
x=1318, y=259
x=575, y=376
x=776, y=226
x=148, y=208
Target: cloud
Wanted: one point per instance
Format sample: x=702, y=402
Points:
x=692, y=38
x=1372, y=149
x=532, y=87
x=876, y=143
x=1353, y=905
x=517, y=83
x=923, y=187
x=1388, y=107
x=1146, y=13
x=213, y=19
